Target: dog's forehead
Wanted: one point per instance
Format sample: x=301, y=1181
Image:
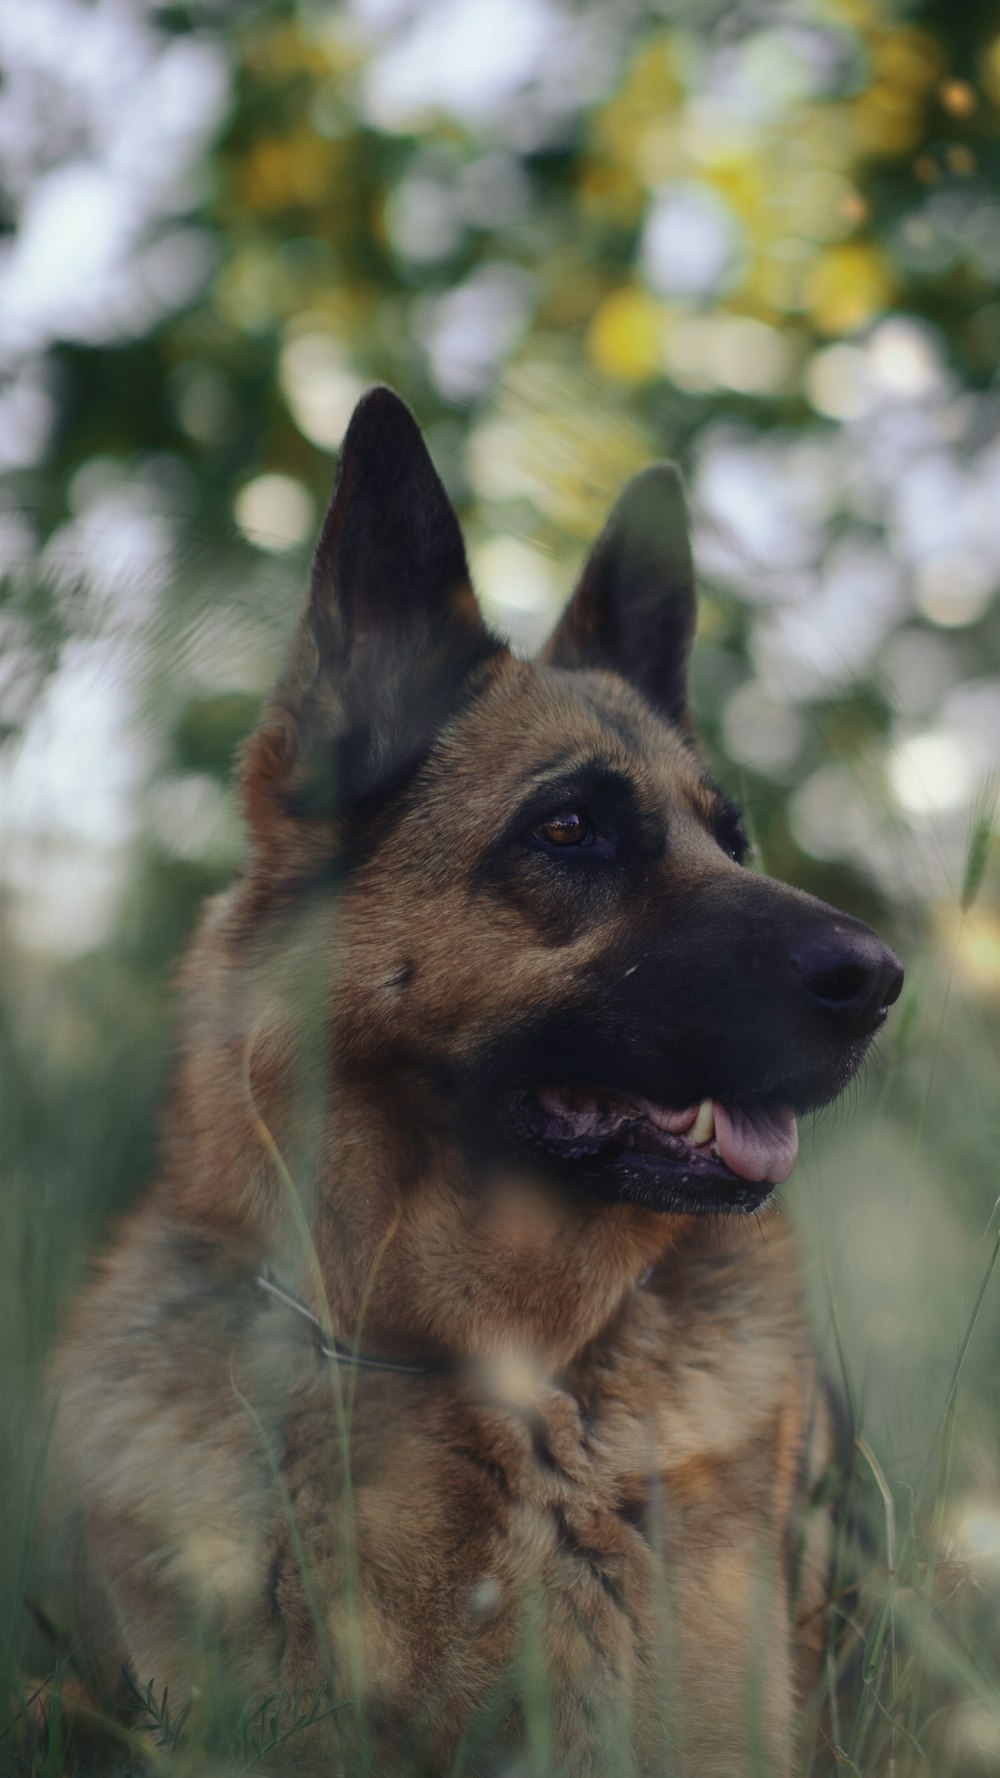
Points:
x=555, y=721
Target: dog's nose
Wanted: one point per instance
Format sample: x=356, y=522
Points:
x=850, y=974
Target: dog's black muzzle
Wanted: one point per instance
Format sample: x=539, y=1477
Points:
x=739, y=989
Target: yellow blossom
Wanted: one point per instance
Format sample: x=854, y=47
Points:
x=626, y=334
x=846, y=286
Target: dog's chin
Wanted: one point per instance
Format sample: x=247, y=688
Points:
x=680, y=1185
x=702, y=1160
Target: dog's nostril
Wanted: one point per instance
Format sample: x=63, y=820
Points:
x=852, y=976
x=840, y=986
x=894, y=983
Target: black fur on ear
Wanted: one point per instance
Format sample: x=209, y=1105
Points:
x=633, y=611
x=391, y=631
x=390, y=556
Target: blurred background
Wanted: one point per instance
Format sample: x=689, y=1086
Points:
x=762, y=238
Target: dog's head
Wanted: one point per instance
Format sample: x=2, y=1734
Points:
x=548, y=936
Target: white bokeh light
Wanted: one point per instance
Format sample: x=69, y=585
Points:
x=518, y=587
x=954, y=589
x=726, y=352
x=762, y=731
x=67, y=791
x=468, y=331
x=931, y=773
x=690, y=242
x=829, y=638
x=465, y=58
x=838, y=382
x=763, y=504
x=103, y=123
x=905, y=359
x=318, y=384
x=275, y=512
x=828, y=815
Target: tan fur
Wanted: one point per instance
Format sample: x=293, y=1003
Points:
x=601, y=1497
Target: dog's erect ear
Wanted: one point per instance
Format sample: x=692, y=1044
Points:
x=390, y=632
x=390, y=559
x=633, y=611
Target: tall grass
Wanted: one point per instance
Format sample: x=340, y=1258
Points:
x=897, y=1210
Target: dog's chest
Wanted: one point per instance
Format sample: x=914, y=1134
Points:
x=569, y=1535
x=489, y=1531
x=512, y=1514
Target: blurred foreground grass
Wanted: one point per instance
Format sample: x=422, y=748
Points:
x=895, y=1195
x=828, y=379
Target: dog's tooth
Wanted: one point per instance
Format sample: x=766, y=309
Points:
x=703, y=1128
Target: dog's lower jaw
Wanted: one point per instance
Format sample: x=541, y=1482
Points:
x=469, y=1264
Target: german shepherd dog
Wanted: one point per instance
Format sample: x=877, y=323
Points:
x=449, y=1395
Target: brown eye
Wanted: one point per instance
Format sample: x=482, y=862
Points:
x=570, y=827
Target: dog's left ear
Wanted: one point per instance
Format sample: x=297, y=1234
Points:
x=390, y=633
x=390, y=562
x=633, y=611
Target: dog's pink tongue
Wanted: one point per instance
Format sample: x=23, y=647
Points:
x=757, y=1144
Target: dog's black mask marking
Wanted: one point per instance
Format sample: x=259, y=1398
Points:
x=723, y=986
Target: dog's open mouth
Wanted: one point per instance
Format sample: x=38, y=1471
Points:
x=694, y=1158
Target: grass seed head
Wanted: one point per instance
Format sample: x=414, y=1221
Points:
x=982, y=831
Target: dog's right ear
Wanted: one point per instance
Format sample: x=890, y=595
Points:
x=633, y=611
x=390, y=633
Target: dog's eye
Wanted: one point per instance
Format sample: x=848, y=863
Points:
x=735, y=844
x=731, y=834
x=567, y=827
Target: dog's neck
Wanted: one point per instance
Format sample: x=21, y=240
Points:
x=428, y=1255
x=363, y=1192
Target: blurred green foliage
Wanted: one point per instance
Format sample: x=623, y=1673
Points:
x=523, y=274
x=522, y=271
